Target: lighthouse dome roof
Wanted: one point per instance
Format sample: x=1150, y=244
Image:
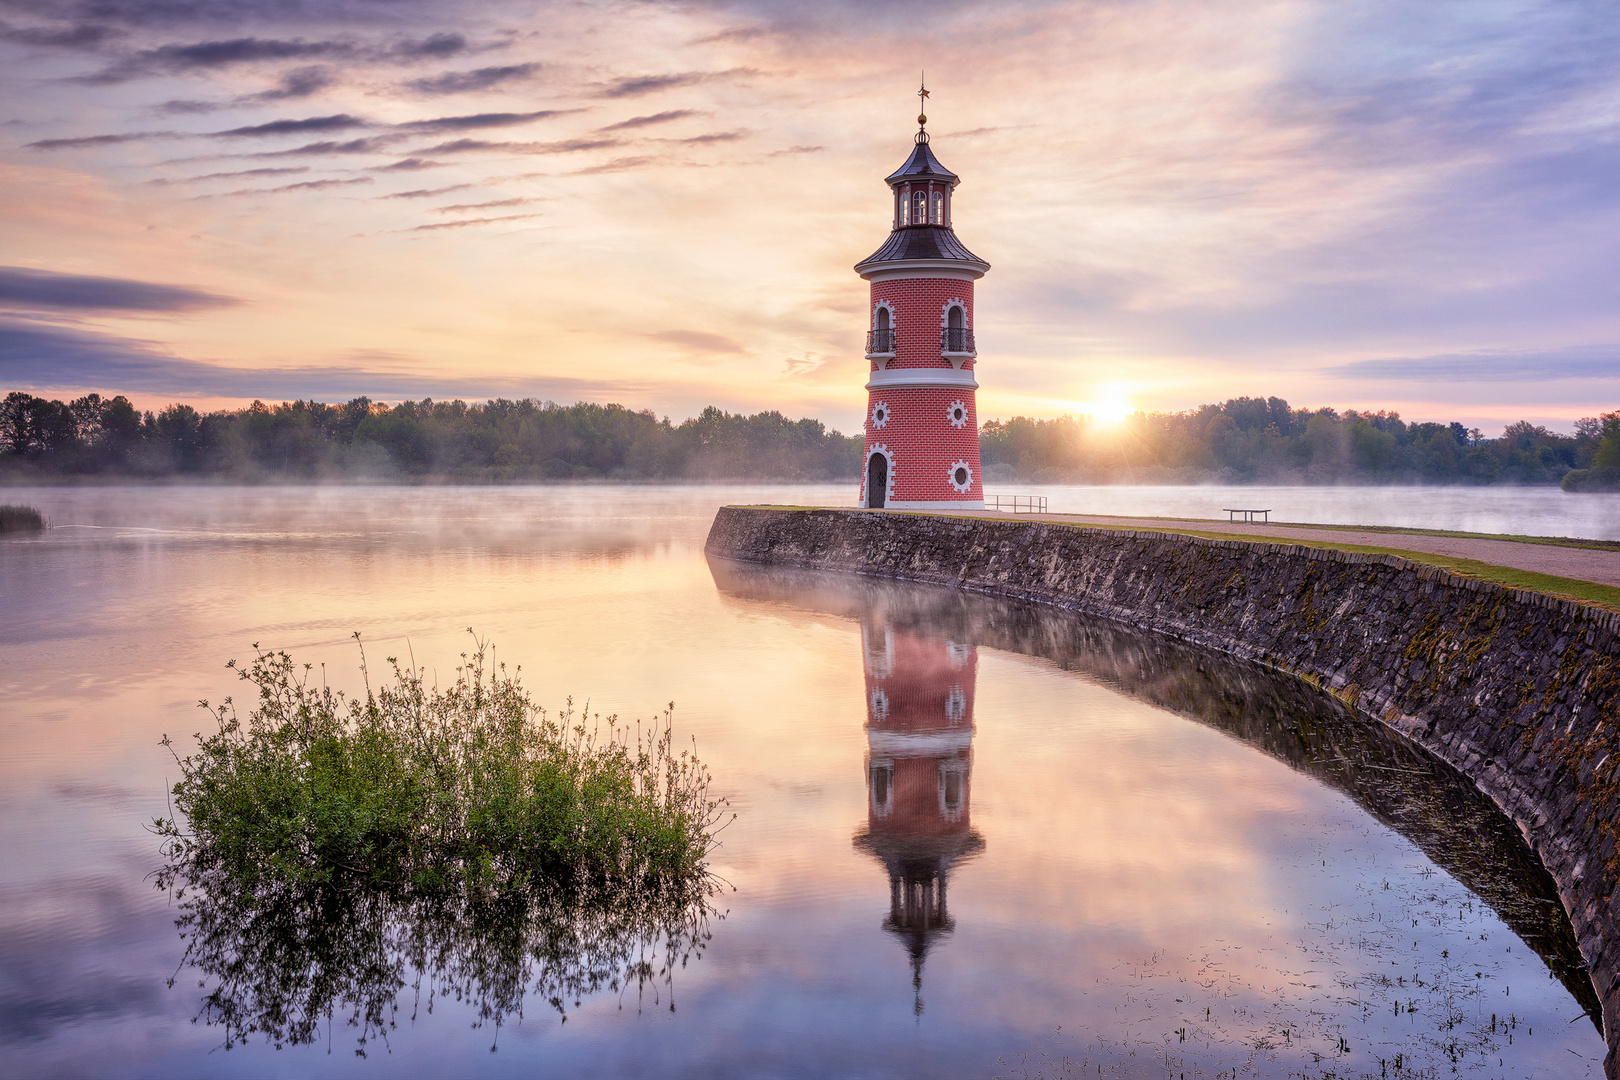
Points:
x=921, y=165
x=922, y=242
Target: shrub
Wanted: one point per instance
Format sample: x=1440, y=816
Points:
x=1582, y=480
x=330, y=852
x=468, y=788
x=20, y=519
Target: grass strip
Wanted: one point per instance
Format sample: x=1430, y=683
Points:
x=1396, y=530
x=1586, y=592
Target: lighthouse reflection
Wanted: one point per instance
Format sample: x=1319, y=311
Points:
x=919, y=768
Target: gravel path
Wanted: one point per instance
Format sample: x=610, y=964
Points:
x=1583, y=564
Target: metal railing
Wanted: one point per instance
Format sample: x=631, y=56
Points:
x=880, y=343
x=956, y=339
x=1016, y=504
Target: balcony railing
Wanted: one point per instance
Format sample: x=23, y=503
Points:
x=957, y=341
x=880, y=343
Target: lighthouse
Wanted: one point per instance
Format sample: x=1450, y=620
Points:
x=919, y=732
x=922, y=424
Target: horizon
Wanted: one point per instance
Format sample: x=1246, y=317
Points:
x=158, y=404
x=1378, y=209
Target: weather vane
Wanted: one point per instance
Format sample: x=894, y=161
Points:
x=922, y=101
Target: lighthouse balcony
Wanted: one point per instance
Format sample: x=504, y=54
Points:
x=957, y=342
x=879, y=344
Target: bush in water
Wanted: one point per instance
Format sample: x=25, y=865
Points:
x=470, y=789
x=20, y=519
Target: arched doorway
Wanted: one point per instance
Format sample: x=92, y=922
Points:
x=877, y=481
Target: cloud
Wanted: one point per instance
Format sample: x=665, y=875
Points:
x=212, y=55
x=712, y=137
x=100, y=140
x=652, y=84
x=45, y=289
x=480, y=120
x=492, y=204
x=186, y=107
x=624, y=164
x=338, y=122
x=697, y=340
x=410, y=164
x=797, y=150
x=802, y=365
x=307, y=185
x=736, y=33
x=315, y=124
x=374, y=145
x=459, y=82
x=300, y=82
x=36, y=357
x=439, y=46
x=288, y=170
x=564, y=146
x=72, y=36
x=655, y=118
x=1577, y=362
x=423, y=193
x=470, y=221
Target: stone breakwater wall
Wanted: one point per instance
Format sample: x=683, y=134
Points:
x=1517, y=690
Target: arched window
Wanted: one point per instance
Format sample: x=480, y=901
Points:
x=936, y=213
x=955, y=338
x=919, y=207
x=882, y=787
x=880, y=342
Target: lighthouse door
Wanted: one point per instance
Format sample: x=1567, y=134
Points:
x=877, y=481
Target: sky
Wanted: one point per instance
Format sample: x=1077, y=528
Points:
x=1372, y=205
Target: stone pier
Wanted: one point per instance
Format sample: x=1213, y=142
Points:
x=1517, y=690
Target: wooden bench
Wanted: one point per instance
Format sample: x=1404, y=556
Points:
x=1248, y=515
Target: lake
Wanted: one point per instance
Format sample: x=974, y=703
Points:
x=972, y=838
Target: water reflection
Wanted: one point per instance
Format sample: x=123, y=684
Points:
x=919, y=765
x=923, y=629
x=290, y=964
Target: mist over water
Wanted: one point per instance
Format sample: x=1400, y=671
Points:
x=1039, y=825
x=1517, y=511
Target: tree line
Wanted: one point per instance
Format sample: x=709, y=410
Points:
x=1263, y=440
x=496, y=441
x=1241, y=440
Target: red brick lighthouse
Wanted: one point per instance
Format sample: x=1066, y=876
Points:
x=919, y=733
x=922, y=427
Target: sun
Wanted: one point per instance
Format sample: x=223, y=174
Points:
x=1109, y=409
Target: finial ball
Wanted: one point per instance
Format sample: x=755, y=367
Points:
x=922, y=119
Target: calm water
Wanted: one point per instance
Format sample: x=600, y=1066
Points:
x=973, y=839
x=1538, y=511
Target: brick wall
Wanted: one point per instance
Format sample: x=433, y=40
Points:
x=923, y=444
x=919, y=304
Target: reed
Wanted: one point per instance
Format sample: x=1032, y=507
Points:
x=472, y=789
x=20, y=519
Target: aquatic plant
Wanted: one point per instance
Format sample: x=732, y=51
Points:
x=20, y=519
x=469, y=788
x=285, y=960
x=329, y=852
